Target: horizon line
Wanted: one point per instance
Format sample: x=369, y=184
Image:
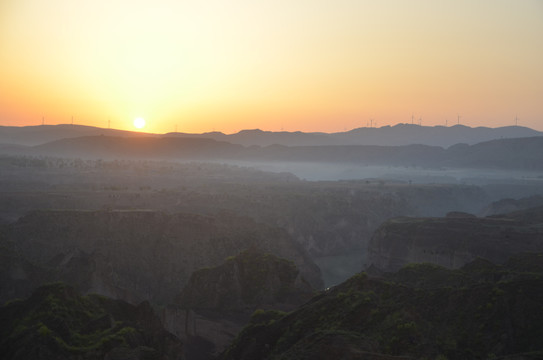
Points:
x=270, y=131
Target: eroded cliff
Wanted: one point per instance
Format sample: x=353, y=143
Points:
x=455, y=240
x=138, y=255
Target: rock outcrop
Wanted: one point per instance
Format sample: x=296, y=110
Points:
x=217, y=302
x=455, y=240
x=244, y=283
x=508, y=205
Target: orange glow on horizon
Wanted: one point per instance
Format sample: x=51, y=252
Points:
x=275, y=65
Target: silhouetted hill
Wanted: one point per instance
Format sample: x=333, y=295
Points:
x=259, y=137
x=481, y=311
x=405, y=134
x=140, y=148
x=520, y=153
x=40, y=134
x=56, y=322
x=400, y=134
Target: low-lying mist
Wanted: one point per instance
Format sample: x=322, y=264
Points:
x=325, y=171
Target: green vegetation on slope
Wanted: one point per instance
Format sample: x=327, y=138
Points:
x=244, y=282
x=481, y=311
x=57, y=322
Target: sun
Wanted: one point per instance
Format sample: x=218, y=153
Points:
x=139, y=122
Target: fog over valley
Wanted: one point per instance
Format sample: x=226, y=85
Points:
x=375, y=243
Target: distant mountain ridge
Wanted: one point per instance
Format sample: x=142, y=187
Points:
x=516, y=153
x=397, y=135
x=36, y=135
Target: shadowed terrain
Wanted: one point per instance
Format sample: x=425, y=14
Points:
x=423, y=311
x=455, y=240
x=219, y=231
x=57, y=322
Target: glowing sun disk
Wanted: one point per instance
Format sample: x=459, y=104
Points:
x=139, y=122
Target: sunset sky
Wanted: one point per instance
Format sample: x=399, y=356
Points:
x=308, y=65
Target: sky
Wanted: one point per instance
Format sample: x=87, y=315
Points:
x=294, y=65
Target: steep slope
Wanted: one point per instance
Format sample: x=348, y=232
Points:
x=453, y=241
x=56, y=322
x=18, y=276
x=217, y=302
x=148, y=254
x=245, y=282
x=495, y=315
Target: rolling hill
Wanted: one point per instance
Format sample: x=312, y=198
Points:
x=400, y=134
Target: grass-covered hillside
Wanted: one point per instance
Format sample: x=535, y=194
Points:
x=56, y=322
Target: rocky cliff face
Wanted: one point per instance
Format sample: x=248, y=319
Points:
x=508, y=205
x=453, y=241
x=18, y=276
x=244, y=283
x=330, y=220
x=217, y=302
x=138, y=255
x=339, y=218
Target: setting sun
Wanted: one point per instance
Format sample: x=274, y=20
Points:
x=300, y=65
x=139, y=122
